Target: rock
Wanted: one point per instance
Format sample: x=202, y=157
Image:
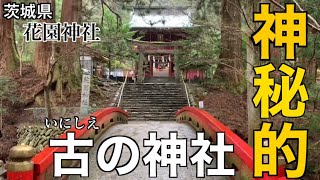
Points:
x=37, y=141
x=37, y=137
x=43, y=132
x=39, y=148
x=43, y=139
x=32, y=142
x=44, y=143
x=48, y=132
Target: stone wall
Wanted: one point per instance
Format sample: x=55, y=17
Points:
x=37, y=137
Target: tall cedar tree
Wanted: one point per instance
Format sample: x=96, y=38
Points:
x=44, y=49
x=67, y=71
x=231, y=60
x=8, y=58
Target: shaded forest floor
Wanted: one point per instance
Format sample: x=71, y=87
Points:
x=231, y=110
x=29, y=85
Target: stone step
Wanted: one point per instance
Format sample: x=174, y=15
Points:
x=155, y=88
x=153, y=102
x=160, y=111
x=151, y=119
x=136, y=114
x=155, y=84
x=154, y=116
x=169, y=86
x=168, y=101
x=144, y=107
x=150, y=98
x=153, y=98
x=137, y=103
x=141, y=101
x=155, y=110
x=153, y=95
x=156, y=91
x=152, y=92
x=149, y=109
x=162, y=101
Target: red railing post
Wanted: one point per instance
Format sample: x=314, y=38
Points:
x=20, y=166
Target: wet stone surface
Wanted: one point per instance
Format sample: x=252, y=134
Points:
x=139, y=131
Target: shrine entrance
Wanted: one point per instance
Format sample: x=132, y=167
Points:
x=160, y=65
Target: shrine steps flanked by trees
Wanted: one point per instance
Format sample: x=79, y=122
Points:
x=153, y=101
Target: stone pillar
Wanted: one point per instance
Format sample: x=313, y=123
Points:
x=20, y=165
x=140, y=68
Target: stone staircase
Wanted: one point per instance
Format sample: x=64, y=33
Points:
x=153, y=101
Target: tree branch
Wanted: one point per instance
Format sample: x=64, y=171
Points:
x=315, y=27
x=119, y=20
x=309, y=16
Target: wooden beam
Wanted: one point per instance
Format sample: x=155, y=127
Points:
x=156, y=51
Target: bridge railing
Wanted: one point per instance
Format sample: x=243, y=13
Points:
x=186, y=89
x=43, y=162
x=242, y=158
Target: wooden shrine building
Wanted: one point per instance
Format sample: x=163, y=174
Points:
x=158, y=30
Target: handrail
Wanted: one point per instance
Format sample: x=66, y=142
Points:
x=242, y=157
x=122, y=88
x=43, y=161
x=186, y=89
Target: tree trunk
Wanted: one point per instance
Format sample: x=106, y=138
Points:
x=253, y=113
x=140, y=77
x=44, y=49
x=1, y=115
x=47, y=101
x=229, y=69
x=254, y=120
x=8, y=56
x=177, y=72
x=42, y=58
x=68, y=72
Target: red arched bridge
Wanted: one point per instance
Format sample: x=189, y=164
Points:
x=114, y=121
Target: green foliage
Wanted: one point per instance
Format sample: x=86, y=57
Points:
x=314, y=95
x=201, y=49
x=27, y=48
x=7, y=89
x=58, y=10
x=208, y=9
x=114, y=40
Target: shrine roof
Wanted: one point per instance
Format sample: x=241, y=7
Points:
x=161, y=17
